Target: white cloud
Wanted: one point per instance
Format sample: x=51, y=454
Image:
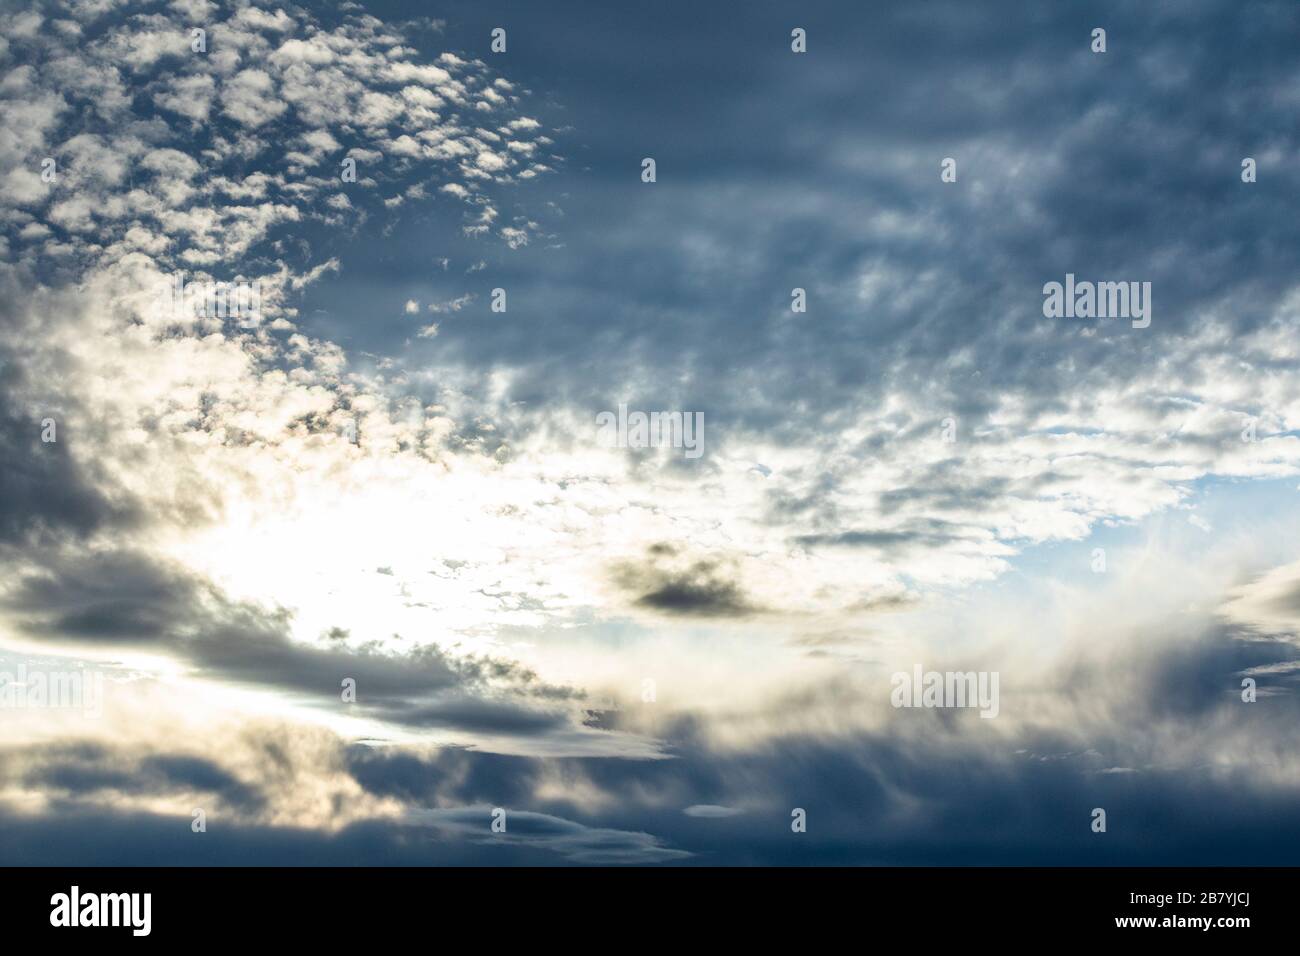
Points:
x=249, y=98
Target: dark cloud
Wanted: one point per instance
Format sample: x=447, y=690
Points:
x=933, y=790
x=90, y=770
x=45, y=494
x=476, y=714
x=703, y=587
x=79, y=837
x=120, y=599
x=923, y=533
x=449, y=774
x=925, y=789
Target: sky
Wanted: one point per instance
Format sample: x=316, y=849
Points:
x=361, y=578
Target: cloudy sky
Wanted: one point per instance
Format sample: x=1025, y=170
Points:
x=357, y=575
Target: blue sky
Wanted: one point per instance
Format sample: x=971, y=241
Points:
x=346, y=579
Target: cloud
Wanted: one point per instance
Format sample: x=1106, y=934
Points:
x=671, y=583
x=124, y=599
x=580, y=844
x=711, y=811
x=624, y=649
x=89, y=770
x=1270, y=604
